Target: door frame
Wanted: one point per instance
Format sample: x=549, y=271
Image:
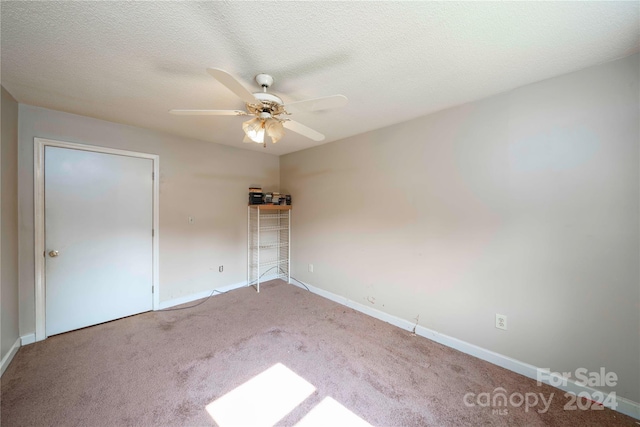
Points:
x=39, y=219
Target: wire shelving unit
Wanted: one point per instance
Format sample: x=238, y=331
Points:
x=269, y=243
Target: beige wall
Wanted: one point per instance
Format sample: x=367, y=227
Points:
x=9, y=223
x=524, y=204
x=206, y=181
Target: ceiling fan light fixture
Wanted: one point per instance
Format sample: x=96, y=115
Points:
x=254, y=129
x=275, y=130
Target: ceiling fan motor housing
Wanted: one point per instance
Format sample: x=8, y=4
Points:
x=269, y=105
x=268, y=97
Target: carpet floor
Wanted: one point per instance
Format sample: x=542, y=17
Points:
x=284, y=356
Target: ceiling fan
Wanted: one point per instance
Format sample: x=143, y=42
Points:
x=269, y=111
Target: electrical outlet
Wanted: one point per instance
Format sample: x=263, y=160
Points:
x=501, y=321
x=310, y=268
x=221, y=268
x=191, y=220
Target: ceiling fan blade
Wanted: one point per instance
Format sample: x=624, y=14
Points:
x=208, y=112
x=316, y=104
x=303, y=130
x=232, y=84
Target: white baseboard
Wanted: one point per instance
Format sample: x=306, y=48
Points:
x=624, y=406
x=6, y=360
x=28, y=339
x=204, y=294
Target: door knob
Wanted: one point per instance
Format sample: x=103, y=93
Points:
x=53, y=254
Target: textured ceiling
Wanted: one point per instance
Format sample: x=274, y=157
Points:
x=130, y=62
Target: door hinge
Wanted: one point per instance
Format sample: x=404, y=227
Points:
x=152, y=288
x=153, y=232
x=153, y=176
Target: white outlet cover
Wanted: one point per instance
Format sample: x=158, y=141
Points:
x=310, y=268
x=501, y=321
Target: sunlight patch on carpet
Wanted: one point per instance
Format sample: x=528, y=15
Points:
x=263, y=400
x=330, y=413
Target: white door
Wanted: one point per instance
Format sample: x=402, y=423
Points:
x=98, y=241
